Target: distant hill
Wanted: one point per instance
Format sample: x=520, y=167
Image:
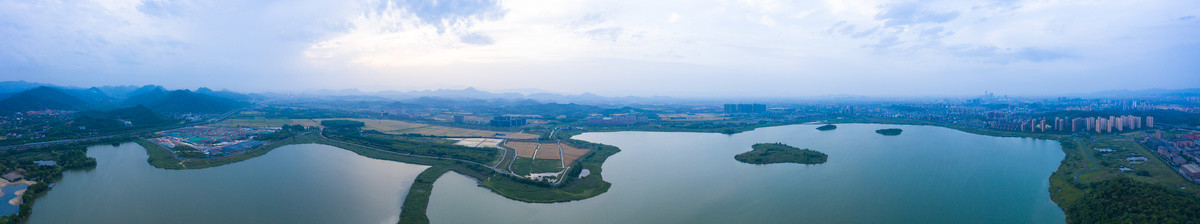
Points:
x=92, y=95
x=226, y=94
x=20, y=86
x=138, y=116
x=124, y=92
x=145, y=95
x=186, y=101
x=42, y=98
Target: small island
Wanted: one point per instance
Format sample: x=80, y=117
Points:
x=771, y=153
x=889, y=131
x=827, y=127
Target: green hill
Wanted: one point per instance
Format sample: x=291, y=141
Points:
x=138, y=117
x=145, y=95
x=185, y=101
x=41, y=98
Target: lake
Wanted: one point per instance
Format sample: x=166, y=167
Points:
x=292, y=184
x=925, y=175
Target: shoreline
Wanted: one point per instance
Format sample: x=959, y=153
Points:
x=16, y=201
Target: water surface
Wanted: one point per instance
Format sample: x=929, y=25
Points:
x=925, y=175
x=292, y=184
x=10, y=192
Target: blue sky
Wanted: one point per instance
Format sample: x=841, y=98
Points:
x=610, y=47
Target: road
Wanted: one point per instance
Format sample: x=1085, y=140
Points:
x=510, y=155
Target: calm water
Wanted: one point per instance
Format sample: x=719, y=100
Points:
x=10, y=192
x=925, y=175
x=292, y=184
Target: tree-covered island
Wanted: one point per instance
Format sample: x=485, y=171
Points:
x=771, y=153
x=827, y=127
x=889, y=131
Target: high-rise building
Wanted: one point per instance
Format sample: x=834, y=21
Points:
x=506, y=121
x=1149, y=122
x=745, y=108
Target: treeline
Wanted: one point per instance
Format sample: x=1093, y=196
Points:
x=1124, y=200
x=286, y=132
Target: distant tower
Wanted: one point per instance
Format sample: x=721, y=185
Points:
x=1149, y=122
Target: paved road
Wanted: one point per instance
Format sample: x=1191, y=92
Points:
x=510, y=155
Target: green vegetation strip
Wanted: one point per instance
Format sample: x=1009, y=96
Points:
x=417, y=201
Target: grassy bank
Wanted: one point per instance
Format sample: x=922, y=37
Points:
x=415, y=204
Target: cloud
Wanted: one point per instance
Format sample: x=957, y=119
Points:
x=702, y=47
x=909, y=13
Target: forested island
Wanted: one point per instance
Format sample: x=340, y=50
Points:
x=771, y=153
x=827, y=127
x=889, y=131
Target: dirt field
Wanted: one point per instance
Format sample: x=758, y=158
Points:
x=570, y=154
x=524, y=149
x=306, y=122
x=478, y=142
x=548, y=150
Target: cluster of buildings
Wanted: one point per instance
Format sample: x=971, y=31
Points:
x=1088, y=124
x=617, y=120
x=508, y=121
x=212, y=140
x=745, y=108
x=1179, y=150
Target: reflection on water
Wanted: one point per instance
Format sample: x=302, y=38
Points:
x=926, y=175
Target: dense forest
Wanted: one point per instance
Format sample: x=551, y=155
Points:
x=769, y=153
x=1124, y=200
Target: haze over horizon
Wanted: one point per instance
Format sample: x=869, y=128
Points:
x=610, y=48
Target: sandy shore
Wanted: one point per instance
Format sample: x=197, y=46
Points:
x=16, y=200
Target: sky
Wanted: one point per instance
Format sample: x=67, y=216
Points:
x=699, y=48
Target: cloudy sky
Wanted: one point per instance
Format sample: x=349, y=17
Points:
x=610, y=47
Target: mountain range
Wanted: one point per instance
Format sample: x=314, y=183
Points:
x=155, y=98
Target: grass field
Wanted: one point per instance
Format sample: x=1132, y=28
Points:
x=547, y=165
x=526, y=166
x=522, y=166
x=381, y=125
